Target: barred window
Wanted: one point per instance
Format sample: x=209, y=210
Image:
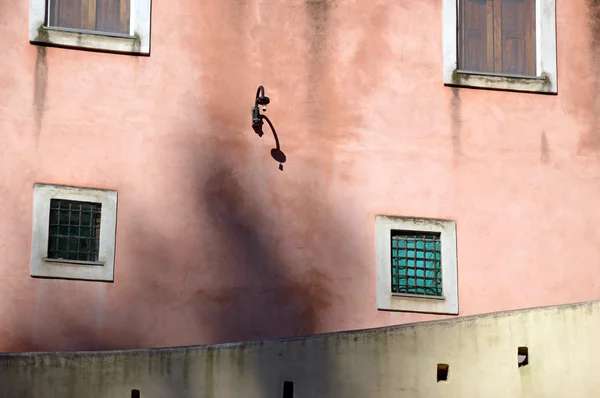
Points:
x=416, y=263
x=74, y=233
x=74, y=230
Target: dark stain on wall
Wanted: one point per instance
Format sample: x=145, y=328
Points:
x=594, y=13
x=317, y=19
x=545, y=151
x=324, y=103
x=318, y=13
x=40, y=87
x=455, y=112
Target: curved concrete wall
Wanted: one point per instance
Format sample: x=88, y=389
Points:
x=215, y=244
x=398, y=362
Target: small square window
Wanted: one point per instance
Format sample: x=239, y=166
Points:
x=73, y=232
x=109, y=25
x=501, y=44
x=416, y=265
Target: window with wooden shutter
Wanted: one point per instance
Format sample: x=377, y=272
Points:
x=497, y=36
x=116, y=26
x=109, y=16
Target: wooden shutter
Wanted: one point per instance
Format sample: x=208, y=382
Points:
x=497, y=36
x=65, y=14
x=113, y=16
x=517, y=36
x=101, y=15
x=475, y=35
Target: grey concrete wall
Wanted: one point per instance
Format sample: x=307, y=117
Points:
x=481, y=352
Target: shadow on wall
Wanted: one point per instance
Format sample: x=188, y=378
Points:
x=263, y=299
x=237, y=273
x=249, y=290
x=242, y=293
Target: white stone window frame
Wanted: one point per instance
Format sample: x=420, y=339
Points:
x=388, y=301
x=545, y=80
x=136, y=42
x=41, y=266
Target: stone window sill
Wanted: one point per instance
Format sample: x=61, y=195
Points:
x=92, y=40
x=539, y=84
x=73, y=262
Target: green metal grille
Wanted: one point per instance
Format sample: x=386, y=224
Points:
x=74, y=230
x=416, y=263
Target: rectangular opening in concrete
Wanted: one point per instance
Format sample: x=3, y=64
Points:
x=288, y=389
x=523, y=356
x=442, y=372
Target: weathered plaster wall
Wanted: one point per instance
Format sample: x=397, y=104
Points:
x=215, y=244
x=397, y=362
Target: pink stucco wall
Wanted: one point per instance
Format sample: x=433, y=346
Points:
x=215, y=244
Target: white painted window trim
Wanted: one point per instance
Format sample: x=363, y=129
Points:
x=40, y=266
x=546, y=74
x=386, y=300
x=136, y=42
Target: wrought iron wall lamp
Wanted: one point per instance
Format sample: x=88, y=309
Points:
x=261, y=99
x=257, y=124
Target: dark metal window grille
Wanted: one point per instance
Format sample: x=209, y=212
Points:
x=74, y=230
x=416, y=263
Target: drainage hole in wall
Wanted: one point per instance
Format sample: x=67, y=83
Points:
x=442, y=372
x=523, y=356
x=135, y=393
x=288, y=389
